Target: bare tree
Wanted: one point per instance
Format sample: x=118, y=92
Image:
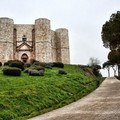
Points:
x=93, y=61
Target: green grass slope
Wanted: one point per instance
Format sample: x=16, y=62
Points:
x=27, y=96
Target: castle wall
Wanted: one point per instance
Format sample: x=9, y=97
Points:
x=62, y=45
x=43, y=40
x=6, y=39
x=54, y=47
x=24, y=30
x=19, y=55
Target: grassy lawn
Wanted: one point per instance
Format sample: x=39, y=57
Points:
x=27, y=96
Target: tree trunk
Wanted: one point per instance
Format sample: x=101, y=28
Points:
x=118, y=70
x=108, y=72
x=114, y=69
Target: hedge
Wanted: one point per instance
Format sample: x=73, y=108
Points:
x=13, y=71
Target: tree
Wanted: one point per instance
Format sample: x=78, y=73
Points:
x=114, y=59
x=111, y=38
x=94, y=64
x=111, y=32
x=114, y=67
x=107, y=65
x=93, y=61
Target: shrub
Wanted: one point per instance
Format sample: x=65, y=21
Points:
x=6, y=63
x=49, y=65
x=36, y=72
x=37, y=67
x=33, y=72
x=36, y=63
x=58, y=64
x=17, y=64
x=13, y=71
x=26, y=70
x=62, y=72
x=42, y=64
x=27, y=65
x=96, y=70
x=32, y=61
x=0, y=64
x=10, y=61
x=41, y=72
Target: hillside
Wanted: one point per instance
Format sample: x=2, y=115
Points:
x=26, y=96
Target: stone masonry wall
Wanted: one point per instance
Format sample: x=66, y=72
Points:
x=54, y=47
x=62, y=45
x=24, y=30
x=43, y=40
x=47, y=45
x=6, y=39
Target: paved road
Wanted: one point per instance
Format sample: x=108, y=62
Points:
x=102, y=104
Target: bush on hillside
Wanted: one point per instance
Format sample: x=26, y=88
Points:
x=58, y=64
x=34, y=67
x=36, y=72
x=43, y=64
x=17, y=64
x=26, y=70
x=10, y=61
x=5, y=64
x=36, y=63
x=41, y=72
x=37, y=67
x=49, y=65
x=26, y=65
x=13, y=71
x=0, y=64
x=96, y=72
x=32, y=61
x=62, y=72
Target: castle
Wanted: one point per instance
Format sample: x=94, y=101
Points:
x=33, y=41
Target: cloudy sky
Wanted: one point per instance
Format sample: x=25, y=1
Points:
x=83, y=19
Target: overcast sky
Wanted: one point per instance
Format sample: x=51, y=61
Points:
x=83, y=19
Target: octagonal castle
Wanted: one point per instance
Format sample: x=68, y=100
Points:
x=33, y=41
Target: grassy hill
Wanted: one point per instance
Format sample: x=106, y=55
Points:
x=26, y=96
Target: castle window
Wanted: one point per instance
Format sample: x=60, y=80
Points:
x=24, y=39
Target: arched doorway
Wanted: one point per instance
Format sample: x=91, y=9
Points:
x=24, y=57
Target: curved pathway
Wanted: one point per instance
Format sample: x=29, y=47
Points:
x=102, y=104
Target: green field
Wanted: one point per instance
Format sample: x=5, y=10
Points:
x=27, y=96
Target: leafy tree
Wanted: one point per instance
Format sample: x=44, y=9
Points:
x=111, y=39
x=114, y=58
x=107, y=65
x=114, y=67
x=111, y=32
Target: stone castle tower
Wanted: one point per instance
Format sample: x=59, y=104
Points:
x=33, y=41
